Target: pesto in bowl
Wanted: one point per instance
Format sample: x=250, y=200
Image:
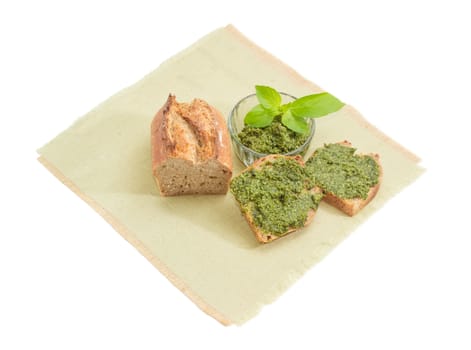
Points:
x=251, y=143
x=272, y=139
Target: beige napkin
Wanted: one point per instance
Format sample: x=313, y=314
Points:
x=201, y=243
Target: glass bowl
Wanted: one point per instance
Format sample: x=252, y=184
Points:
x=236, y=124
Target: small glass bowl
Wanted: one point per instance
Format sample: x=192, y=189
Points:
x=236, y=124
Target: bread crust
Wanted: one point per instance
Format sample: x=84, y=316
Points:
x=261, y=236
x=194, y=134
x=352, y=206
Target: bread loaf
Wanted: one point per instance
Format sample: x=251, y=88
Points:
x=191, y=151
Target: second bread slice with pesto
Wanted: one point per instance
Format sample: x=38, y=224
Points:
x=276, y=196
x=350, y=181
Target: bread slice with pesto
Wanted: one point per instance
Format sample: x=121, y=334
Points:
x=276, y=196
x=349, y=181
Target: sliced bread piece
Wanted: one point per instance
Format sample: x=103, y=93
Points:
x=349, y=181
x=276, y=196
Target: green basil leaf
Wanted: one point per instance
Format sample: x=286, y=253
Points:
x=285, y=107
x=268, y=97
x=316, y=105
x=259, y=116
x=294, y=123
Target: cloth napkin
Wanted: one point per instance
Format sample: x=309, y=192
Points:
x=202, y=244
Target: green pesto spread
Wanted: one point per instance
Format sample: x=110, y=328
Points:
x=277, y=195
x=272, y=139
x=337, y=170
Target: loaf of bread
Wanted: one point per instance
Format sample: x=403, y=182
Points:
x=190, y=147
x=355, y=185
x=276, y=196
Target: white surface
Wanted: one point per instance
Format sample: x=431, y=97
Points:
x=400, y=281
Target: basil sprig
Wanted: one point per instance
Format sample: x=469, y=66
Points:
x=293, y=114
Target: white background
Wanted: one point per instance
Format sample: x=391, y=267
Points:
x=401, y=281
